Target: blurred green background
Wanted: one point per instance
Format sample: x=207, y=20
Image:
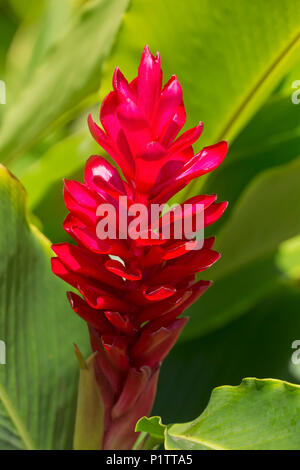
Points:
x=237, y=61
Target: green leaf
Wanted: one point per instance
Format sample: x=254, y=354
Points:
x=217, y=53
x=256, y=415
x=39, y=381
x=70, y=72
x=23, y=10
x=286, y=86
x=44, y=23
x=7, y=29
x=152, y=426
x=53, y=23
x=258, y=344
x=152, y=433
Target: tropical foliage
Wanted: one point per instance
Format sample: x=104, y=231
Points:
x=237, y=62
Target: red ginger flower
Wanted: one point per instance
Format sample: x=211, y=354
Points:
x=132, y=307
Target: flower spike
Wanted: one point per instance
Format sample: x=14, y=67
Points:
x=133, y=289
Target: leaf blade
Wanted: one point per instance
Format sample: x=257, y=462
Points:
x=39, y=377
x=69, y=73
x=232, y=421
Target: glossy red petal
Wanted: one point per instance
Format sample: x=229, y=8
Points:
x=95, y=318
x=98, y=298
x=174, y=126
x=121, y=86
x=190, y=263
x=60, y=270
x=100, y=136
x=80, y=261
x=149, y=83
x=101, y=176
x=204, y=162
x=169, y=102
x=116, y=267
x=157, y=293
x=187, y=138
x=214, y=212
x=135, y=127
x=86, y=215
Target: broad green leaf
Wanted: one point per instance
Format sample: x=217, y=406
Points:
x=266, y=214
x=23, y=9
x=53, y=23
x=70, y=72
x=152, y=426
x=286, y=87
x=259, y=344
x=151, y=433
x=256, y=415
x=7, y=29
x=44, y=23
x=216, y=52
x=39, y=381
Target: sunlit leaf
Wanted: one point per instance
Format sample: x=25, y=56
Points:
x=38, y=384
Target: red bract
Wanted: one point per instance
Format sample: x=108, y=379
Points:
x=132, y=301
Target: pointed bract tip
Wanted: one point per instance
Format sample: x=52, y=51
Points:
x=117, y=74
x=90, y=119
x=79, y=357
x=114, y=76
x=224, y=144
x=147, y=54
